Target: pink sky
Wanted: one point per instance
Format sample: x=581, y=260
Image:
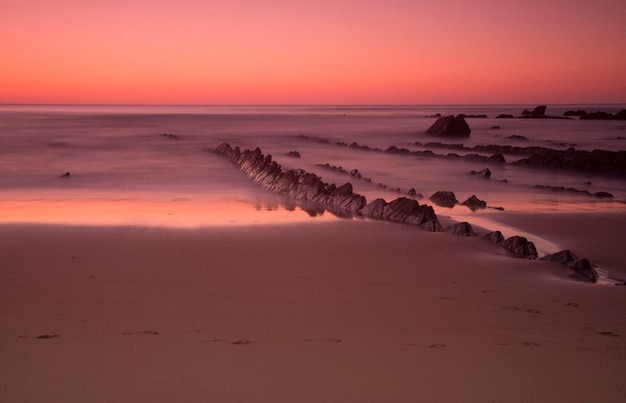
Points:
x=312, y=52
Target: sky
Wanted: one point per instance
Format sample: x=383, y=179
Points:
x=312, y=52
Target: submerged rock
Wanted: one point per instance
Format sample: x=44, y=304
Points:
x=485, y=173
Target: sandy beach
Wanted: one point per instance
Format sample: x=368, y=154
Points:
x=344, y=311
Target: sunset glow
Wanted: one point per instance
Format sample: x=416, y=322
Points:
x=303, y=52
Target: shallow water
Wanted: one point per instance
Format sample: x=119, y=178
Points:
x=152, y=165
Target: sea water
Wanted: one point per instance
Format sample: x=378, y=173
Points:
x=153, y=165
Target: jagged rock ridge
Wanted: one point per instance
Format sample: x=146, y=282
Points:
x=301, y=185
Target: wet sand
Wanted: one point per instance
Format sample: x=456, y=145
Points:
x=344, y=311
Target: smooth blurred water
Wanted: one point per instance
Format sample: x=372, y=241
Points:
x=153, y=165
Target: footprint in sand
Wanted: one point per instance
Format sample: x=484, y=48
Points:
x=573, y=304
x=325, y=340
x=436, y=345
x=142, y=332
x=530, y=343
x=236, y=342
x=47, y=336
x=604, y=332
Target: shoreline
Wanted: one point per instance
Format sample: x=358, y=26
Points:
x=341, y=311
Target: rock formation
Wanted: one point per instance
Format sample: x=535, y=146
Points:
x=309, y=188
x=450, y=126
x=520, y=246
x=462, y=229
x=444, y=198
x=583, y=267
x=494, y=236
x=474, y=203
x=485, y=173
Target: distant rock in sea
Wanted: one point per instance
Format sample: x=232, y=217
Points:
x=450, y=126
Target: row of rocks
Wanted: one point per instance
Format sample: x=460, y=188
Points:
x=596, y=161
x=339, y=169
x=599, y=115
x=301, y=185
x=571, y=190
x=310, y=189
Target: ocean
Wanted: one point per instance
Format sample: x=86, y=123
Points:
x=153, y=165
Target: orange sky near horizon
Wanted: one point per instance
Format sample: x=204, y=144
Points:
x=305, y=52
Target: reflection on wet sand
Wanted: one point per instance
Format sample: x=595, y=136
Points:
x=178, y=213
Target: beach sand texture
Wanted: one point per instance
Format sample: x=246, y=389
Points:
x=346, y=311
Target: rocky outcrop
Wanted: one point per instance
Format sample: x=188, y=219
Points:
x=474, y=203
x=539, y=113
x=485, y=173
x=309, y=188
x=450, y=126
x=462, y=229
x=494, y=236
x=600, y=115
x=403, y=210
x=521, y=247
x=444, y=198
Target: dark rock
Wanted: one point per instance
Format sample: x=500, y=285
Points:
x=65, y=176
x=444, y=198
x=461, y=229
x=474, y=203
x=520, y=246
x=621, y=115
x=494, y=236
x=412, y=192
x=450, y=126
x=518, y=137
x=563, y=257
x=504, y=116
x=537, y=113
x=293, y=154
x=403, y=210
x=496, y=127
x=310, y=189
x=497, y=158
x=597, y=116
x=579, y=113
x=485, y=173
x=584, y=268
x=602, y=195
